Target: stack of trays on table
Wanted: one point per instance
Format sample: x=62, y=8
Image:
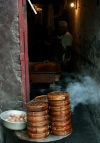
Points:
x=41, y=98
x=59, y=112
x=37, y=119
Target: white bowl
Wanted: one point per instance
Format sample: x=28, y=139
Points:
x=13, y=125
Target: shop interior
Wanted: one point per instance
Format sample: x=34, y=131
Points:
x=42, y=26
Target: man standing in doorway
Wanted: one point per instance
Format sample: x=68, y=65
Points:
x=62, y=45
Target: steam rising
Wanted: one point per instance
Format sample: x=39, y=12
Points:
x=87, y=91
x=83, y=90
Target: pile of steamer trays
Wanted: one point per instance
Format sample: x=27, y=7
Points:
x=49, y=114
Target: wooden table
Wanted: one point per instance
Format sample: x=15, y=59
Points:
x=44, y=72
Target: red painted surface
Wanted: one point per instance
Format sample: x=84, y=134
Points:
x=24, y=50
x=26, y=53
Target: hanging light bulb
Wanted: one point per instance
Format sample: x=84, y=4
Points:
x=72, y=4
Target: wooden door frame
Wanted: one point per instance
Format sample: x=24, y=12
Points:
x=24, y=50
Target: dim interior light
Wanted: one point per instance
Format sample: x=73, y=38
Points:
x=38, y=8
x=72, y=4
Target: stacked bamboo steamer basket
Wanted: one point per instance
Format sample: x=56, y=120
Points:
x=37, y=119
x=59, y=113
x=49, y=114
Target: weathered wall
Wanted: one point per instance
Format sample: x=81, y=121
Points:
x=86, y=34
x=10, y=71
x=85, y=22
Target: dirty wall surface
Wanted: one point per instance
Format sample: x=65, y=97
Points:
x=11, y=92
x=85, y=22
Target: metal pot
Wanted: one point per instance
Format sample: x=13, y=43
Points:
x=13, y=125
